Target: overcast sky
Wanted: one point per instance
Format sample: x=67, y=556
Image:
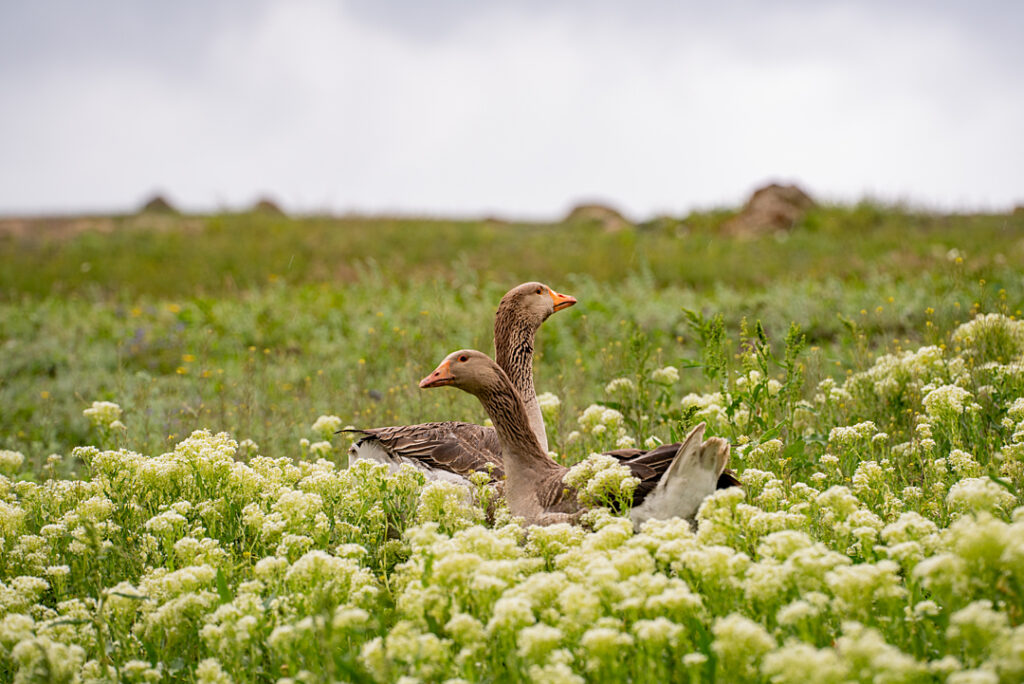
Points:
x=511, y=108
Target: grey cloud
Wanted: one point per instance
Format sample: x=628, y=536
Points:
x=504, y=107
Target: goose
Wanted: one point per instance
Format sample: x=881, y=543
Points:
x=534, y=487
x=453, y=450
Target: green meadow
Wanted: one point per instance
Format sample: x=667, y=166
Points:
x=257, y=325
x=867, y=367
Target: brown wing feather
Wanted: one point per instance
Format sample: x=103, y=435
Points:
x=648, y=480
x=658, y=458
x=728, y=479
x=462, y=448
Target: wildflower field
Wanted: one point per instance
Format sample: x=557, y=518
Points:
x=175, y=505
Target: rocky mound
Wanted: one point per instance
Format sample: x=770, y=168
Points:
x=268, y=207
x=771, y=208
x=600, y=215
x=158, y=204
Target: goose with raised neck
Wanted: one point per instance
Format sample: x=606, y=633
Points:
x=534, y=487
x=452, y=450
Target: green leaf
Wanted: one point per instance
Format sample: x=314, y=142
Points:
x=222, y=587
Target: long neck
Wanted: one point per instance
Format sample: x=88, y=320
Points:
x=525, y=461
x=513, y=350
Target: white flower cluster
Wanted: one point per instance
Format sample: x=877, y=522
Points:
x=620, y=386
x=326, y=426
x=103, y=413
x=709, y=408
x=549, y=405
x=846, y=437
x=11, y=461
x=604, y=423
x=286, y=562
x=899, y=560
x=991, y=335
x=901, y=376
x=601, y=480
x=754, y=378
x=669, y=375
x=946, y=402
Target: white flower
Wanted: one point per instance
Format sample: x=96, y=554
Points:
x=752, y=378
x=209, y=671
x=858, y=587
x=667, y=376
x=694, y=659
x=652, y=442
x=591, y=417
x=798, y=662
x=510, y=613
x=549, y=404
x=1015, y=411
x=325, y=426
x=796, y=612
x=978, y=676
x=11, y=460
x=603, y=644
x=980, y=494
x=945, y=402
x=102, y=413
x=600, y=480
x=977, y=626
x=536, y=641
x=963, y=464
x=657, y=631
x=620, y=386
x=554, y=673
x=320, y=449
x=845, y=437
x=741, y=643
x=611, y=418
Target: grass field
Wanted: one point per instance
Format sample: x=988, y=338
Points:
x=868, y=367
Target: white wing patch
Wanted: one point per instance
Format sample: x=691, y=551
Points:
x=692, y=476
x=371, y=450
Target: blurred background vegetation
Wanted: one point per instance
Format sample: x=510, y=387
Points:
x=257, y=323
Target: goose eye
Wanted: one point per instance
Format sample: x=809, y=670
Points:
x=463, y=358
x=540, y=290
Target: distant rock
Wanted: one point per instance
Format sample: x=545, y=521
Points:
x=158, y=204
x=770, y=209
x=600, y=215
x=268, y=207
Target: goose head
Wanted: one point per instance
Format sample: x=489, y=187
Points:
x=468, y=370
x=534, y=302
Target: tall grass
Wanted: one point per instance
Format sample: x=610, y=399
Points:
x=867, y=369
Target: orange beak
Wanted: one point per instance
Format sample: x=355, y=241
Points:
x=561, y=301
x=441, y=376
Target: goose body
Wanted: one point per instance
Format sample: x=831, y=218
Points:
x=534, y=487
x=453, y=450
